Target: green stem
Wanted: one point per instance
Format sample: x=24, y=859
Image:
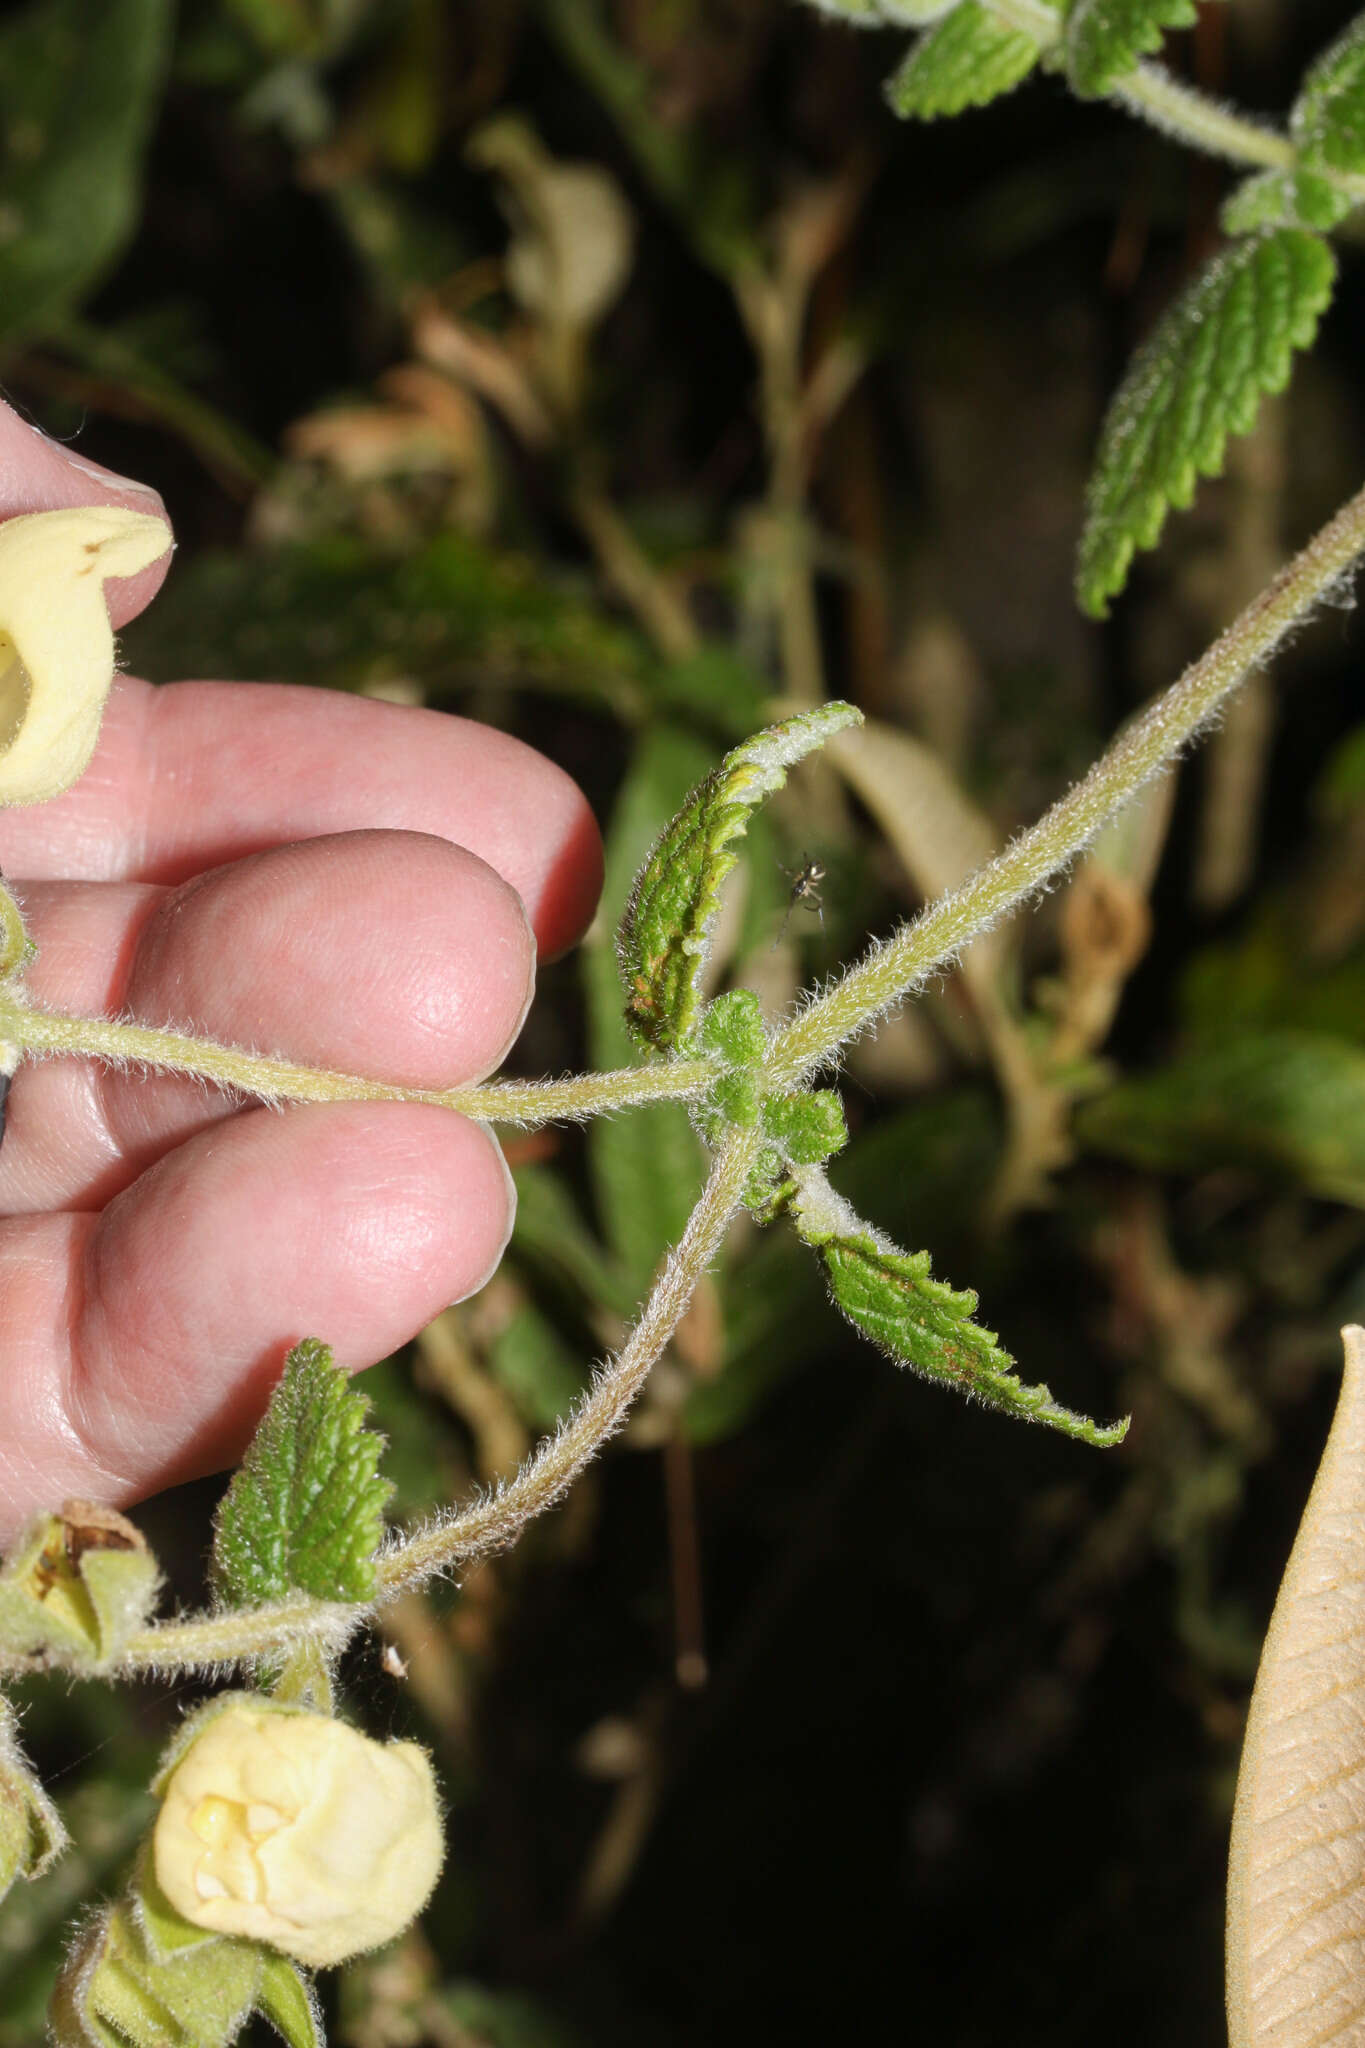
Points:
x=494, y=1521
x=888, y=973
x=1150, y=92
x=526, y=1103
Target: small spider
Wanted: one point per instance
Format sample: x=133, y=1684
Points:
x=395, y=1665
x=805, y=889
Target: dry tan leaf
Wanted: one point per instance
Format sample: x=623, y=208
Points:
x=1296, y=1873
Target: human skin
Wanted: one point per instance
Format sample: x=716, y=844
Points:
x=357, y=885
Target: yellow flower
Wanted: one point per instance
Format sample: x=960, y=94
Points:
x=56, y=643
x=293, y=1829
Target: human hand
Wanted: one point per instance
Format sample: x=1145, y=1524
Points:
x=334, y=880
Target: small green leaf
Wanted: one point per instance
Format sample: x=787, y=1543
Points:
x=1328, y=119
x=889, y=1295
x=967, y=60
x=1289, y=1103
x=79, y=91
x=31, y=1832
x=665, y=933
x=1284, y=199
x=283, y=1998
x=1105, y=38
x=807, y=1127
x=733, y=1027
x=1200, y=377
x=305, y=1511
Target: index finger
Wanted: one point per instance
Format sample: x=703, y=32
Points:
x=187, y=776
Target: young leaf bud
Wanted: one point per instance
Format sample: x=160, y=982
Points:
x=293, y=1829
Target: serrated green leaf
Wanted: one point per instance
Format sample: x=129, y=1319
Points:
x=647, y=1168
x=1200, y=377
x=891, y=1297
x=305, y=1511
x=1284, y=199
x=1328, y=118
x=966, y=60
x=1289, y=1103
x=283, y=1998
x=665, y=933
x=79, y=89
x=1105, y=38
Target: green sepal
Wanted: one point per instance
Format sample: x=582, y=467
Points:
x=734, y=1030
x=1327, y=123
x=113, y=1990
x=1105, y=38
x=31, y=1832
x=1201, y=376
x=665, y=933
x=165, y=1934
x=78, y=1585
x=807, y=1127
x=1284, y=199
x=286, y=1999
x=891, y=1297
x=966, y=60
x=305, y=1510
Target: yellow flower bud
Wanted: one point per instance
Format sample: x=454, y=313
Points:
x=56, y=643
x=296, y=1830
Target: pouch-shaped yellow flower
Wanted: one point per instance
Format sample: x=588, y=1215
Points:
x=56, y=643
x=294, y=1829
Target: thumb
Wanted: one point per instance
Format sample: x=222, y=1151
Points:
x=39, y=475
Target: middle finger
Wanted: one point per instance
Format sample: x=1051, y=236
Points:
x=393, y=954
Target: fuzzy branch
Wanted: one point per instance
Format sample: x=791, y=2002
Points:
x=891, y=971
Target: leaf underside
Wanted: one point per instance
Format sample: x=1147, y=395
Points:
x=1105, y=38
x=1226, y=342
x=1296, y=1871
x=305, y=1511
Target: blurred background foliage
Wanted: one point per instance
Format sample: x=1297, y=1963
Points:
x=614, y=370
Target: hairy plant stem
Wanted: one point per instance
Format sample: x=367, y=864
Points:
x=891, y=971
x=1177, y=109
x=494, y=1521
x=525, y=1103
x=288, y=1628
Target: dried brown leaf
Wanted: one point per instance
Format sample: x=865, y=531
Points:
x=1296, y=1875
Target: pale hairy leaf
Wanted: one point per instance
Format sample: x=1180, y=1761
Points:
x=1296, y=1872
x=1284, y=199
x=1201, y=376
x=305, y=1510
x=665, y=933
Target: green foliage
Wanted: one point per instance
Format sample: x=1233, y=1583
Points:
x=1105, y=38
x=535, y=1365
x=1200, y=377
x=1328, y=119
x=79, y=90
x=1284, y=199
x=647, y=1168
x=305, y=1510
x=890, y=1296
x=666, y=929
x=119, y=1992
x=807, y=1127
x=1289, y=1104
x=966, y=60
